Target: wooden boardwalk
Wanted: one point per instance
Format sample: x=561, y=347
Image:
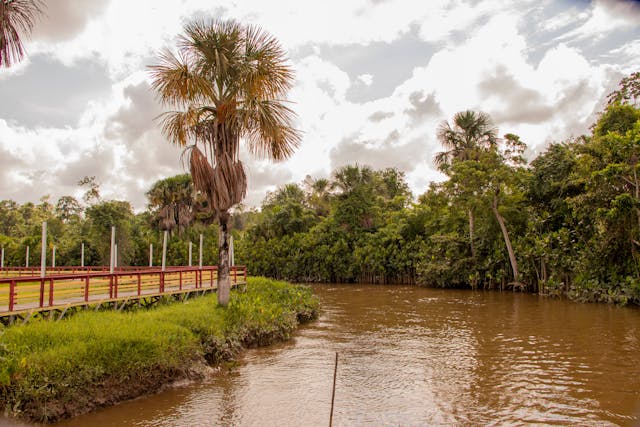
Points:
x=23, y=297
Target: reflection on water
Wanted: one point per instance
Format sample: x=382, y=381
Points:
x=414, y=356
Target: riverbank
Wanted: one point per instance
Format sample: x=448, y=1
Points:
x=55, y=370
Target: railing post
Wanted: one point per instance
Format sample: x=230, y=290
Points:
x=86, y=288
x=115, y=286
x=245, y=274
x=12, y=294
x=111, y=286
x=50, y=291
x=211, y=280
x=235, y=275
x=139, y=283
x=161, y=281
x=41, y=292
x=180, y=275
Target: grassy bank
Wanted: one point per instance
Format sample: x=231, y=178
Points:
x=54, y=370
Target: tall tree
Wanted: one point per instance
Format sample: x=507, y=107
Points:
x=227, y=81
x=16, y=20
x=172, y=201
x=318, y=193
x=470, y=132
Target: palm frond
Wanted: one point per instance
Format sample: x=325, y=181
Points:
x=17, y=18
x=176, y=81
x=179, y=126
x=270, y=131
x=268, y=73
x=442, y=159
x=217, y=50
x=448, y=136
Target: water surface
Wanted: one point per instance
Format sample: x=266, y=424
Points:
x=416, y=356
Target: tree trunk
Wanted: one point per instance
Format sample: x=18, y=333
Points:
x=224, y=283
x=507, y=241
x=472, y=226
x=543, y=267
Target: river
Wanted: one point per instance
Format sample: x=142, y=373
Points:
x=416, y=356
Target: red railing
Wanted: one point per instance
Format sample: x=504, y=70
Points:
x=35, y=270
x=36, y=293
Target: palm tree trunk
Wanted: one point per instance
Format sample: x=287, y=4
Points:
x=507, y=241
x=224, y=284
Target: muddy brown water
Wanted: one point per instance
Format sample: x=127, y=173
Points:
x=415, y=356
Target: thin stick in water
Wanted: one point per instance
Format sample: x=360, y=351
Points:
x=333, y=392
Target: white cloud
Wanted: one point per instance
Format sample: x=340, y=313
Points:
x=630, y=53
x=569, y=17
x=366, y=79
x=606, y=16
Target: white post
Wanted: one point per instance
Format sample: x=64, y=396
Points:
x=200, y=256
x=26, y=260
x=164, y=250
x=53, y=257
x=43, y=252
x=232, y=254
x=113, y=242
x=2, y=259
x=82, y=255
x=190, y=252
x=150, y=254
x=115, y=255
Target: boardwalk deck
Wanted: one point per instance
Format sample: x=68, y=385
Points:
x=23, y=297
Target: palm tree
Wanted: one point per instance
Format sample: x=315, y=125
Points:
x=318, y=193
x=227, y=81
x=471, y=132
x=173, y=201
x=16, y=19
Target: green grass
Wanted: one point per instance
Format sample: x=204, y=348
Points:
x=51, y=370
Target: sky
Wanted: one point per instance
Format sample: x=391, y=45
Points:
x=374, y=78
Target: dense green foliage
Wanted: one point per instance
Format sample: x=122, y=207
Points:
x=55, y=369
x=571, y=218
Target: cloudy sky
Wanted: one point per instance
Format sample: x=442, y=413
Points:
x=373, y=80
